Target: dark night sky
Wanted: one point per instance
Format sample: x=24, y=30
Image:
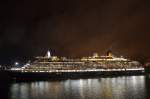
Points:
x=74, y=28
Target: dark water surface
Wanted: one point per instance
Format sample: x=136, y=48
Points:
x=127, y=87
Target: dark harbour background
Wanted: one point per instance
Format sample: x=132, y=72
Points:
x=123, y=87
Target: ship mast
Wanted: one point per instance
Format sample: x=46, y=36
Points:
x=48, y=54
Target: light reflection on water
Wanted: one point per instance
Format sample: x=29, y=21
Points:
x=130, y=87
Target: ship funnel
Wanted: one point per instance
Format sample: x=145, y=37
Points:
x=109, y=53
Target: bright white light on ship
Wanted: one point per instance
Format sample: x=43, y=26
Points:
x=16, y=63
x=27, y=64
x=48, y=54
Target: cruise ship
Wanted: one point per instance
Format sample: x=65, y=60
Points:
x=52, y=67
